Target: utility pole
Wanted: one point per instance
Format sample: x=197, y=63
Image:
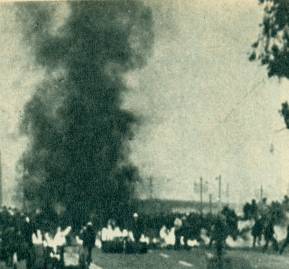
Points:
x=219, y=178
x=201, y=195
x=1, y=182
x=228, y=193
x=210, y=203
x=151, y=187
x=261, y=193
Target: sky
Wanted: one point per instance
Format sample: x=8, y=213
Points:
x=18, y=80
x=206, y=110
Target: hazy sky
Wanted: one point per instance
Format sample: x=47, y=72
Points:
x=206, y=109
x=18, y=79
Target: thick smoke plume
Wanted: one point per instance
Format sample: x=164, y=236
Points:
x=78, y=131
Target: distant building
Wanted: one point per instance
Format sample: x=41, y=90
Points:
x=156, y=206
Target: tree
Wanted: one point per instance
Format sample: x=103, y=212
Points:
x=272, y=45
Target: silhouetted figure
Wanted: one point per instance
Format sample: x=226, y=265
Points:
x=219, y=235
x=231, y=220
x=246, y=211
x=254, y=209
x=269, y=236
x=257, y=231
x=27, y=232
x=178, y=226
x=88, y=236
x=286, y=242
x=10, y=243
x=191, y=229
x=136, y=228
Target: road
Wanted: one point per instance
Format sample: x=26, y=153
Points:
x=195, y=259
x=165, y=259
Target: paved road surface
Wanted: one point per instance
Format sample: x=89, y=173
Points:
x=195, y=259
x=189, y=259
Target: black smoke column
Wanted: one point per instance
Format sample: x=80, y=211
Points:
x=78, y=131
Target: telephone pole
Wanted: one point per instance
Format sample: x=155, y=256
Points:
x=261, y=193
x=201, y=195
x=150, y=191
x=228, y=193
x=219, y=178
x=210, y=203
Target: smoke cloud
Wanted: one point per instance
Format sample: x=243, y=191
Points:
x=77, y=128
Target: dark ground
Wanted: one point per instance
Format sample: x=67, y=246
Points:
x=241, y=259
x=169, y=259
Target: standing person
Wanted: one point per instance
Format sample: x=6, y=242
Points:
x=254, y=209
x=231, y=220
x=178, y=224
x=10, y=244
x=246, y=211
x=27, y=232
x=286, y=242
x=269, y=236
x=257, y=231
x=219, y=236
x=136, y=228
x=88, y=237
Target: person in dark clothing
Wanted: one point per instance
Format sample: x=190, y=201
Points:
x=88, y=236
x=254, y=209
x=269, y=236
x=10, y=242
x=189, y=231
x=257, y=231
x=178, y=227
x=218, y=237
x=27, y=231
x=136, y=228
x=286, y=242
x=231, y=220
x=246, y=211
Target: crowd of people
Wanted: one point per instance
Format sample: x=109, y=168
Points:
x=41, y=241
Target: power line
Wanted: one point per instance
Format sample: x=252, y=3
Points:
x=280, y=130
x=253, y=89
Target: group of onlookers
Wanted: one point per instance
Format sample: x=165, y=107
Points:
x=23, y=237
x=42, y=242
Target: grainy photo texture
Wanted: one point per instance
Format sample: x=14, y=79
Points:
x=144, y=134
